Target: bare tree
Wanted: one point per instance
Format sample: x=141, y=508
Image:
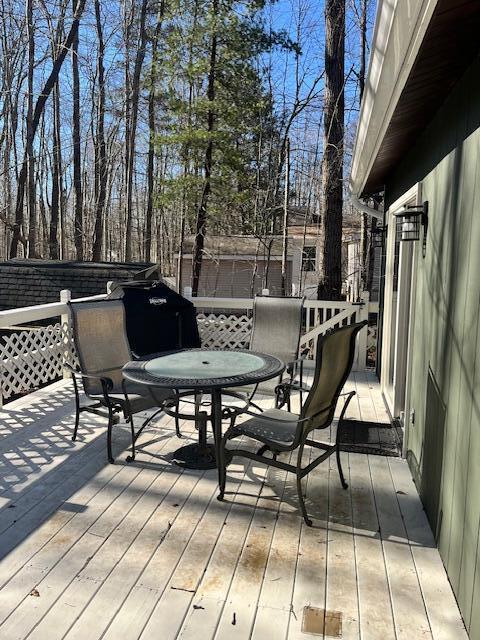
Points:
x=147, y=243
x=332, y=168
x=368, y=224
x=201, y=224
x=286, y=204
x=57, y=200
x=132, y=98
x=28, y=160
x=77, y=159
x=100, y=146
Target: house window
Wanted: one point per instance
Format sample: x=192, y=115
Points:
x=309, y=258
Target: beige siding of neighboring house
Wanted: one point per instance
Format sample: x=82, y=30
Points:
x=353, y=278
x=232, y=278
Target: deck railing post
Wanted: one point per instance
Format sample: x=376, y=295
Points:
x=65, y=296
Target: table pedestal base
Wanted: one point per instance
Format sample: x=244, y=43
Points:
x=195, y=456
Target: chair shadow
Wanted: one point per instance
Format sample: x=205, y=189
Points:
x=284, y=490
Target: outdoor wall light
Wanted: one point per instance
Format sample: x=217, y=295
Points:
x=377, y=238
x=410, y=219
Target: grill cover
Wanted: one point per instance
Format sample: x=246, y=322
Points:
x=158, y=318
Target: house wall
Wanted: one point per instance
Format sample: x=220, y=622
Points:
x=233, y=278
x=443, y=444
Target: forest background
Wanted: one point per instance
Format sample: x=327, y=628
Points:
x=126, y=125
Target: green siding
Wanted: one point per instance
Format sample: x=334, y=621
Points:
x=444, y=444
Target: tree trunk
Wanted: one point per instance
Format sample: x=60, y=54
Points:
x=100, y=147
x=130, y=142
x=54, y=251
x=332, y=175
x=202, y=214
x=31, y=199
x=77, y=167
x=364, y=230
x=39, y=108
x=285, y=218
x=363, y=48
x=147, y=244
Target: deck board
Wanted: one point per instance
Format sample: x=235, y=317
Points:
x=146, y=551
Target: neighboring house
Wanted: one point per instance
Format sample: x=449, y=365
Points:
x=354, y=284
x=418, y=140
x=236, y=266
x=27, y=282
x=241, y=266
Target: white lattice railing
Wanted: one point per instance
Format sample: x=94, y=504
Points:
x=226, y=331
x=33, y=356
x=30, y=358
x=227, y=322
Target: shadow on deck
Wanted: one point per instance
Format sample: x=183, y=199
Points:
x=145, y=550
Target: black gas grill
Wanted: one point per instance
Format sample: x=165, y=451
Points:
x=158, y=318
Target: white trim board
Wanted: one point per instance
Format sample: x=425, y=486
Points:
x=399, y=32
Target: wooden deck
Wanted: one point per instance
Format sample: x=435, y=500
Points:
x=91, y=550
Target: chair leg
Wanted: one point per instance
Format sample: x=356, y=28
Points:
x=337, y=444
x=109, y=435
x=131, y=457
x=301, y=498
x=339, y=465
x=177, y=427
x=301, y=383
x=277, y=400
x=177, y=420
x=77, y=421
x=280, y=396
x=77, y=409
x=222, y=468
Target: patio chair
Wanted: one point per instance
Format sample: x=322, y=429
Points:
x=277, y=324
x=100, y=339
x=280, y=431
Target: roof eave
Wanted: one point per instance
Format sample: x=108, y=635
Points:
x=398, y=34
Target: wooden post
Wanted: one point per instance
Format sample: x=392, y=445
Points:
x=65, y=296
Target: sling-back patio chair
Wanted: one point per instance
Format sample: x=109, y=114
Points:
x=281, y=431
x=100, y=339
x=277, y=324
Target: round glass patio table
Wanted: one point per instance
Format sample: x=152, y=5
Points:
x=204, y=371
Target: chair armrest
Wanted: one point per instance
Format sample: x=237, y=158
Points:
x=291, y=366
x=228, y=411
x=106, y=382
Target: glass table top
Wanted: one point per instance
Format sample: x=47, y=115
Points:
x=204, y=365
x=201, y=368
